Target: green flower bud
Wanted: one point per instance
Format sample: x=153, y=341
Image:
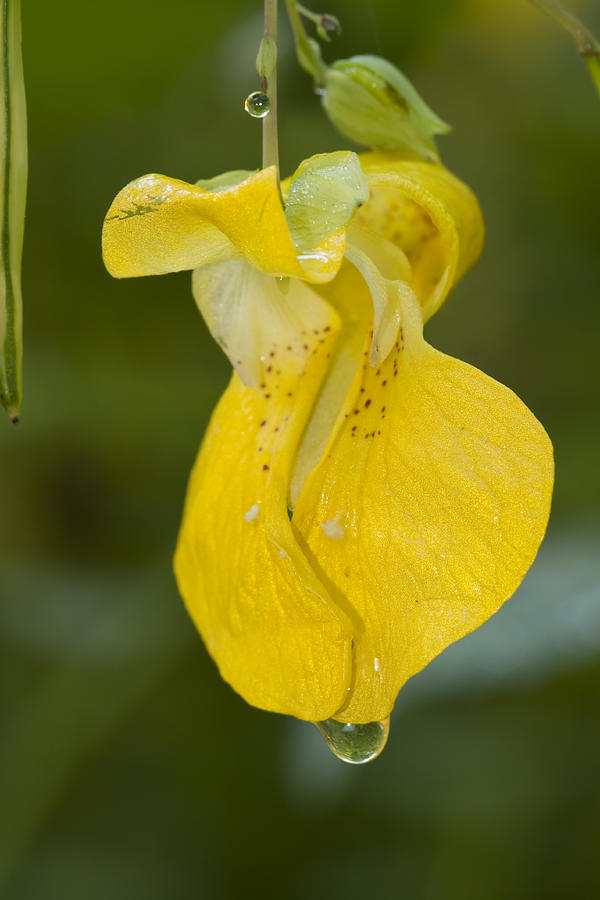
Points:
x=266, y=60
x=371, y=102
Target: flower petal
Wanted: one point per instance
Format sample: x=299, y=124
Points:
x=439, y=482
x=387, y=273
x=159, y=224
x=427, y=212
x=251, y=314
x=350, y=299
x=275, y=630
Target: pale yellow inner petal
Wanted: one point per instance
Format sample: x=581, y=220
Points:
x=430, y=215
x=387, y=273
x=251, y=314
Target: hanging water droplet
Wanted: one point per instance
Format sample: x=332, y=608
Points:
x=257, y=104
x=319, y=89
x=355, y=744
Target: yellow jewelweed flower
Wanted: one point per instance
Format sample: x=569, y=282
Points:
x=360, y=500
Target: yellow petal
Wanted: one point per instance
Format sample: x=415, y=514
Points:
x=250, y=314
x=426, y=510
x=387, y=273
x=277, y=634
x=353, y=303
x=159, y=224
x=369, y=293
x=427, y=212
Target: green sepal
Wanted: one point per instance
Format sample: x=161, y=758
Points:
x=324, y=194
x=225, y=179
x=371, y=102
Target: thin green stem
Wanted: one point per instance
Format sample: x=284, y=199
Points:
x=587, y=44
x=309, y=14
x=593, y=64
x=269, y=86
x=13, y=183
x=305, y=49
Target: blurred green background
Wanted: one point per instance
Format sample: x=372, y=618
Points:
x=128, y=770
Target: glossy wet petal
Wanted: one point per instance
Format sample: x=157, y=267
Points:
x=277, y=634
x=158, y=224
x=430, y=215
x=439, y=480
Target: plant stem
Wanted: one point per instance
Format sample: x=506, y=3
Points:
x=308, y=14
x=309, y=60
x=587, y=44
x=13, y=186
x=269, y=86
x=593, y=64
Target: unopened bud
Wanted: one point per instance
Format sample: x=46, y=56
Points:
x=371, y=102
x=327, y=26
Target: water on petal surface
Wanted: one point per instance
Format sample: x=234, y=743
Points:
x=355, y=744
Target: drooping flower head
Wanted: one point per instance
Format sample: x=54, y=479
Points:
x=360, y=500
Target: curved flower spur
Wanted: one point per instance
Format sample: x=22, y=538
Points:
x=360, y=500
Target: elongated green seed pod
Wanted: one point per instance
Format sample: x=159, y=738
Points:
x=13, y=188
